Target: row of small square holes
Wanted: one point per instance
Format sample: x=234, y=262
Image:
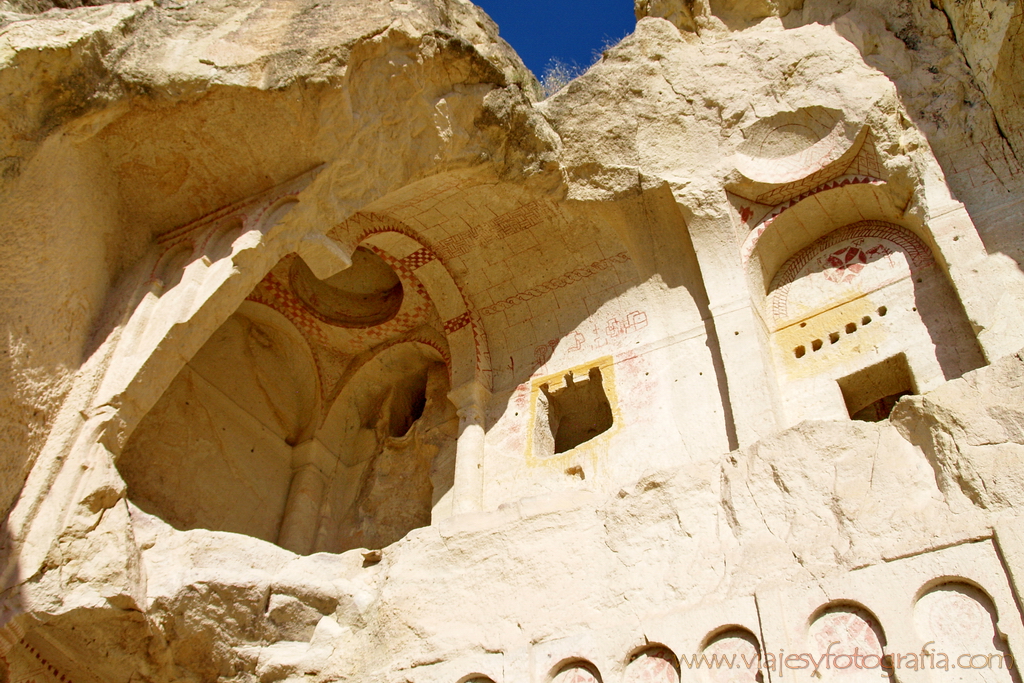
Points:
x=833, y=337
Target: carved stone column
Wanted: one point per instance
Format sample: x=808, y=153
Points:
x=310, y=461
x=471, y=403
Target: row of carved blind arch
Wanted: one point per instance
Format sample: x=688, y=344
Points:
x=957, y=618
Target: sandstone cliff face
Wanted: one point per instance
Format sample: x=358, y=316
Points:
x=600, y=343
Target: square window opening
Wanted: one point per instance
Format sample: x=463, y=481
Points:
x=871, y=393
x=577, y=412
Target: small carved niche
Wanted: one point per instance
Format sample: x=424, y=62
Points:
x=845, y=631
x=871, y=393
x=366, y=294
x=577, y=672
x=405, y=405
x=735, y=644
x=958, y=617
x=653, y=665
x=577, y=412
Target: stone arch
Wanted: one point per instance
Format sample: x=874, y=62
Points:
x=215, y=451
x=384, y=455
x=575, y=671
x=371, y=366
x=959, y=618
x=739, y=643
x=843, y=631
x=213, y=235
x=799, y=222
x=219, y=232
x=410, y=254
x=146, y=370
x=652, y=664
x=217, y=287
x=861, y=316
x=220, y=240
x=171, y=264
x=272, y=212
x=883, y=239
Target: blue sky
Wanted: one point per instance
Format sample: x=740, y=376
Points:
x=570, y=30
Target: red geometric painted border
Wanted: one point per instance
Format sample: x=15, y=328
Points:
x=54, y=671
x=278, y=295
x=375, y=224
x=457, y=323
x=842, y=181
x=751, y=242
x=563, y=280
x=418, y=259
x=917, y=252
x=515, y=221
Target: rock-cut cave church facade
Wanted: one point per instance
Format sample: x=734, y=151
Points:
x=335, y=353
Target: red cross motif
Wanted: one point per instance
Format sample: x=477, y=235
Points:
x=845, y=264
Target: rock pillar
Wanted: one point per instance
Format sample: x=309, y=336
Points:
x=310, y=461
x=471, y=403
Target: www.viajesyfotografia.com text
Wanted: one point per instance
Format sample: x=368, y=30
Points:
x=781, y=662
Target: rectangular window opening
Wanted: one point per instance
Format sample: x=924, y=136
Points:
x=578, y=412
x=871, y=393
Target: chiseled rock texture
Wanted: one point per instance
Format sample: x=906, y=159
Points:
x=717, y=347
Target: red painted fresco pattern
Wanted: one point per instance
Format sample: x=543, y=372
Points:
x=864, y=240
x=865, y=163
x=739, y=647
x=519, y=219
x=755, y=235
x=38, y=669
x=653, y=666
x=597, y=338
x=576, y=673
x=847, y=631
x=366, y=224
x=564, y=280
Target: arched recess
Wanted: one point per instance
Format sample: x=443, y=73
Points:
x=215, y=451
x=960, y=620
x=143, y=340
x=854, y=642
x=575, y=671
x=383, y=460
x=470, y=367
x=226, y=254
x=652, y=664
x=738, y=645
x=860, y=316
x=801, y=221
x=380, y=377
x=410, y=256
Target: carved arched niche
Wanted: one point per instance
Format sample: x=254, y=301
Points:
x=960, y=621
x=390, y=436
x=737, y=645
x=215, y=450
x=860, y=317
x=578, y=671
x=316, y=417
x=656, y=664
x=854, y=641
